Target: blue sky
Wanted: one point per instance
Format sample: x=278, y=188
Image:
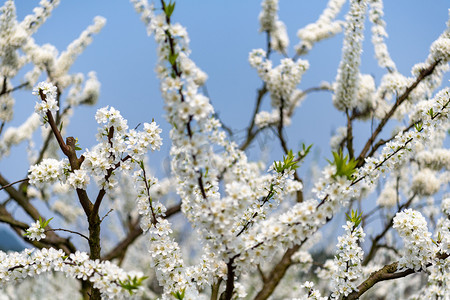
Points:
x=222, y=33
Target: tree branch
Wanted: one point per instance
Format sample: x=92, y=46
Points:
x=388, y=272
x=13, y=183
x=228, y=294
x=423, y=74
x=277, y=274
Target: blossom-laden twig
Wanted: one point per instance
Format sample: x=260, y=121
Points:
x=420, y=253
x=110, y=280
x=348, y=257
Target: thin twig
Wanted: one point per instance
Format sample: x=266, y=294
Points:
x=109, y=211
x=12, y=183
x=13, y=89
x=67, y=230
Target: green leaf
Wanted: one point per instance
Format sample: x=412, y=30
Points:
x=344, y=167
x=418, y=126
x=172, y=58
x=304, y=152
x=178, y=295
x=355, y=218
x=169, y=8
x=132, y=284
x=77, y=146
x=61, y=126
x=44, y=224
x=287, y=163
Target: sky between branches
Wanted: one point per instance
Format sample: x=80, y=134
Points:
x=222, y=34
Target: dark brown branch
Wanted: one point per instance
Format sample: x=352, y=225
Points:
x=277, y=274
x=5, y=91
x=388, y=272
x=6, y=217
x=349, y=137
x=228, y=294
x=49, y=136
x=52, y=240
x=102, y=192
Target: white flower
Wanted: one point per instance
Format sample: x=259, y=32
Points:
x=49, y=104
x=35, y=232
x=48, y=171
x=47, y=88
x=78, y=179
x=419, y=249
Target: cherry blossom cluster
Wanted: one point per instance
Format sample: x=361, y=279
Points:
x=435, y=159
x=32, y=22
x=302, y=220
x=115, y=142
x=268, y=19
x=116, y=145
x=438, y=281
x=348, y=260
x=140, y=142
x=67, y=57
x=439, y=275
x=426, y=183
x=285, y=230
x=165, y=252
x=419, y=250
x=281, y=82
x=388, y=196
x=443, y=227
x=50, y=170
x=49, y=103
x=15, y=35
x=36, y=232
x=348, y=73
x=325, y=27
x=46, y=57
x=394, y=83
x=378, y=34
x=112, y=281
x=446, y=205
